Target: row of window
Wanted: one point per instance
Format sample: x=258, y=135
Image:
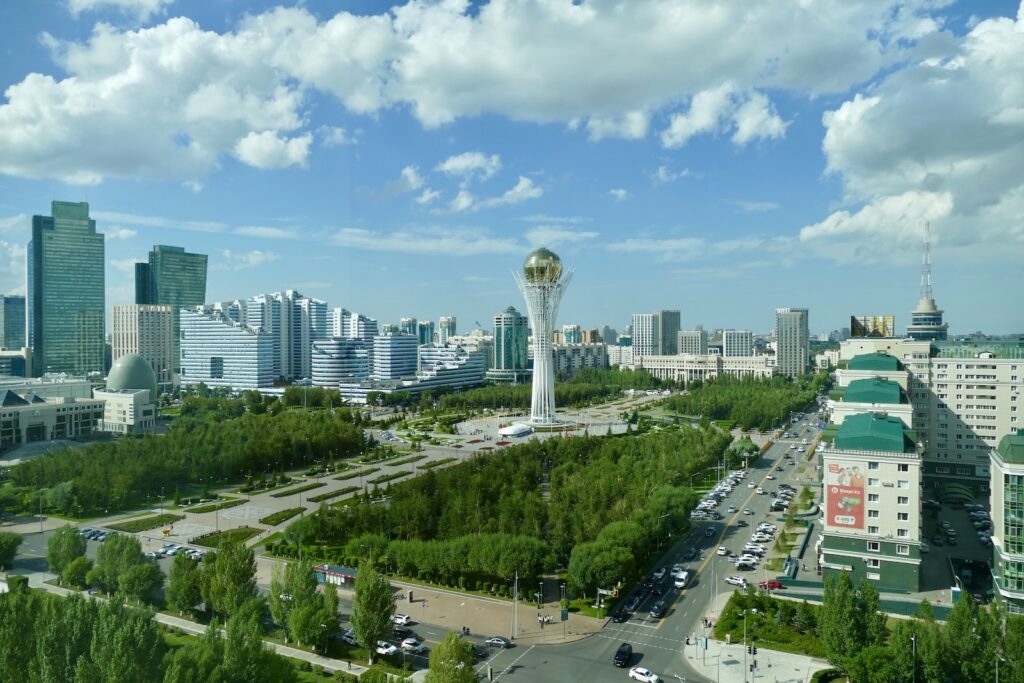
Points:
x=876, y=547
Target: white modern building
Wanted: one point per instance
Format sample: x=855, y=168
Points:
x=646, y=335
x=737, y=343
x=792, y=341
x=295, y=321
x=685, y=368
x=394, y=356
x=568, y=359
x=443, y=367
x=542, y=284
x=693, y=342
x=220, y=352
x=146, y=330
x=350, y=325
x=27, y=417
x=129, y=397
x=340, y=360
x=445, y=329
x=620, y=356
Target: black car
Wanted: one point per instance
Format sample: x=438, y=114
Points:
x=659, y=589
x=620, y=615
x=403, y=632
x=741, y=522
x=658, y=610
x=634, y=602
x=623, y=655
x=690, y=554
x=648, y=583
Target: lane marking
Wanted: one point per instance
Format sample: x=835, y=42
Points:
x=514, y=662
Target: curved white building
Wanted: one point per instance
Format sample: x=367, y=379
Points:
x=543, y=283
x=338, y=360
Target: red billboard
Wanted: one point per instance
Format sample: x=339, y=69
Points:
x=844, y=496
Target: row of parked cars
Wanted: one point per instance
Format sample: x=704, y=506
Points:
x=96, y=534
x=172, y=549
x=706, y=507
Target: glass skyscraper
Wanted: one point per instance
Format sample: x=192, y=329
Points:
x=66, y=291
x=510, y=360
x=12, y=322
x=173, y=277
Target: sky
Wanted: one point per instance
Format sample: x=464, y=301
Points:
x=721, y=158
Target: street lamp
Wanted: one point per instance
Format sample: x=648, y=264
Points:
x=913, y=659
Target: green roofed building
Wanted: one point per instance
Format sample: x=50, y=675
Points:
x=873, y=391
x=1007, y=484
x=876, y=362
x=871, y=479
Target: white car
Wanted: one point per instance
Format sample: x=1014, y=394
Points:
x=759, y=491
x=677, y=571
x=401, y=619
x=748, y=511
x=751, y=485
x=386, y=648
x=414, y=645
x=723, y=550
x=766, y=526
x=770, y=476
x=736, y=581
x=638, y=673
x=349, y=636
x=760, y=538
x=732, y=508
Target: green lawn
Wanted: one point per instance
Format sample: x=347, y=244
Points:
x=217, y=506
x=333, y=494
x=383, y=479
x=241, y=534
x=365, y=472
x=298, y=489
x=134, y=526
x=276, y=518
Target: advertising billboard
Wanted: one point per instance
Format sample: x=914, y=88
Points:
x=872, y=326
x=844, y=495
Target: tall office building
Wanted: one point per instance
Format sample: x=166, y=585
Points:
x=148, y=331
x=220, y=352
x=295, y=321
x=425, y=332
x=394, y=356
x=737, y=343
x=792, y=340
x=12, y=322
x=693, y=342
x=408, y=326
x=609, y=335
x=511, y=336
x=572, y=334
x=347, y=324
x=668, y=332
x=445, y=329
x=66, y=295
x=646, y=335
x=926, y=320
x=173, y=277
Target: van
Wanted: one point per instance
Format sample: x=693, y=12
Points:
x=744, y=564
x=683, y=580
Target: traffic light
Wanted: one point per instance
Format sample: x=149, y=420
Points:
x=754, y=650
x=750, y=650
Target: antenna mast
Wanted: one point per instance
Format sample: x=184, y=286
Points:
x=926, y=263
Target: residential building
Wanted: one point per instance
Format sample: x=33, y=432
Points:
x=620, y=356
x=609, y=336
x=685, y=368
x=511, y=363
x=408, y=326
x=568, y=359
x=146, y=330
x=668, y=332
x=646, y=335
x=875, y=395
x=12, y=322
x=737, y=343
x=449, y=367
x=1007, y=485
x=394, y=356
x=172, y=277
x=220, y=352
x=693, y=342
x=66, y=291
x=350, y=325
x=872, y=473
x=572, y=334
x=295, y=321
x=479, y=341
x=425, y=332
x=130, y=396
x=338, y=360
x=792, y=340
x=445, y=329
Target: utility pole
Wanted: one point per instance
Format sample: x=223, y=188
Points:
x=515, y=595
x=744, y=646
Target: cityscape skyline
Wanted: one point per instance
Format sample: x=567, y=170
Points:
x=723, y=195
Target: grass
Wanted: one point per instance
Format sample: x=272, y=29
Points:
x=240, y=535
x=774, y=564
x=298, y=489
x=280, y=516
x=134, y=526
x=437, y=463
x=333, y=494
x=358, y=473
x=217, y=506
x=383, y=479
x=407, y=461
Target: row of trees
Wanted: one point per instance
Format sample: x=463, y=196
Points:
x=751, y=403
x=214, y=440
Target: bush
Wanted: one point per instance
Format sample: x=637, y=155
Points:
x=827, y=675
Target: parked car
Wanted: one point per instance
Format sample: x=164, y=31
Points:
x=414, y=645
x=723, y=551
x=386, y=648
x=623, y=655
x=771, y=585
x=743, y=522
x=638, y=673
x=658, y=609
x=348, y=636
x=401, y=619
x=736, y=581
x=498, y=641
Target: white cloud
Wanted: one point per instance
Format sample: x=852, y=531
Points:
x=141, y=9
x=463, y=201
x=267, y=231
x=448, y=242
x=21, y=221
x=269, y=150
x=756, y=119
x=411, y=178
x=470, y=166
x=666, y=175
x=561, y=220
x=523, y=190
x=663, y=248
x=939, y=140
x=332, y=136
x=12, y=268
x=630, y=126
x=428, y=196
x=247, y=259
x=125, y=265
x=750, y=115
x=118, y=233
x=619, y=194
x=552, y=236
x=755, y=207
x=157, y=222
x=707, y=109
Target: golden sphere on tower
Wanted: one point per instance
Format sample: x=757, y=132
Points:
x=542, y=267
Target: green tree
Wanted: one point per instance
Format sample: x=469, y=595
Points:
x=19, y=618
x=76, y=571
x=372, y=607
x=246, y=657
x=115, y=556
x=229, y=578
x=8, y=548
x=451, y=661
x=872, y=620
x=141, y=581
x=64, y=546
x=184, y=585
x=837, y=621
x=599, y=565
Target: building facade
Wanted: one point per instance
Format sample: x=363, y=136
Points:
x=511, y=363
x=394, y=356
x=146, y=330
x=66, y=291
x=28, y=418
x=792, y=341
x=685, y=368
x=736, y=343
x=172, y=277
x=646, y=335
x=350, y=325
x=408, y=326
x=295, y=322
x=445, y=329
x=12, y=322
x=693, y=342
x=340, y=360
x=220, y=352
x=669, y=323
x=1007, y=484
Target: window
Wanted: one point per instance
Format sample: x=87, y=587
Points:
x=873, y=514
x=872, y=481
x=872, y=529
x=903, y=500
x=903, y=550
x=874, y=563
x=903, y=516
x=872, y=497
x=873, y=465
x=903, y=484
x=902, y=533
x=903, y=467
x=874, y=546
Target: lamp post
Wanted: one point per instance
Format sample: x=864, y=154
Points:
x=744, y=646
x=913, y=659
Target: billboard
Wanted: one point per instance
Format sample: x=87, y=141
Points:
x=844, y=495
x=872, y=326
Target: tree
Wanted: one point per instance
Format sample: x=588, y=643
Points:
x=451, y=661
x=8, y=548
x=76, y=571
x=115, y=556
x=372, y=607
x=184, y=586
x=837, y=621
x=63, y=547
x=229, y=578
x=141, y=580
x=872, y=620
x=246, y=657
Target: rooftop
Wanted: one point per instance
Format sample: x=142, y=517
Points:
x=873, y=432
x=879, y=362
x=999, y=348
x=874, y=390
x=1011, y=448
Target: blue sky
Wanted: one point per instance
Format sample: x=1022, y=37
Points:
x=720, y=158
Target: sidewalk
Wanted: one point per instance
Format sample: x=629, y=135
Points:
x=725, y=663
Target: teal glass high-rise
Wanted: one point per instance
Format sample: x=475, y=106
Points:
x=172, y=277
x=66, y=291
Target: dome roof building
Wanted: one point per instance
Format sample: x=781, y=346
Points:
x=132, y=372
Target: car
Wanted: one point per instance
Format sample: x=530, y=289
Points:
x=402, y=632
x=716, y=515
x=348, y=636
x=770, y=476
x=946, y=525
x=770, y=585
x=386, y=648
x=931, y=504
x=766, y=526
x=723, y=551
x=84, y=532
x=792, y=447
x=623, y=655
x=951, y=540
x=759, y=491
x=638, y=673
x=633, y=602
x=732, y=508
x=924, y=548
x=709, y=532
x=401, y=619
x=937, y=541
x=760, y=538
x=691, y=554
x=676, y=571
x=658, y=609
x=153, y=555
x=986, y=541
x=745, y=564
x=620, y=615
x=683, y=580
x=751, y=485
x=658, y=590
x=742, y=522
x=659, y=573
x=414, y=645
x=648, y=584
x=498, y=642
x=747, y=511
x=736, y=581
